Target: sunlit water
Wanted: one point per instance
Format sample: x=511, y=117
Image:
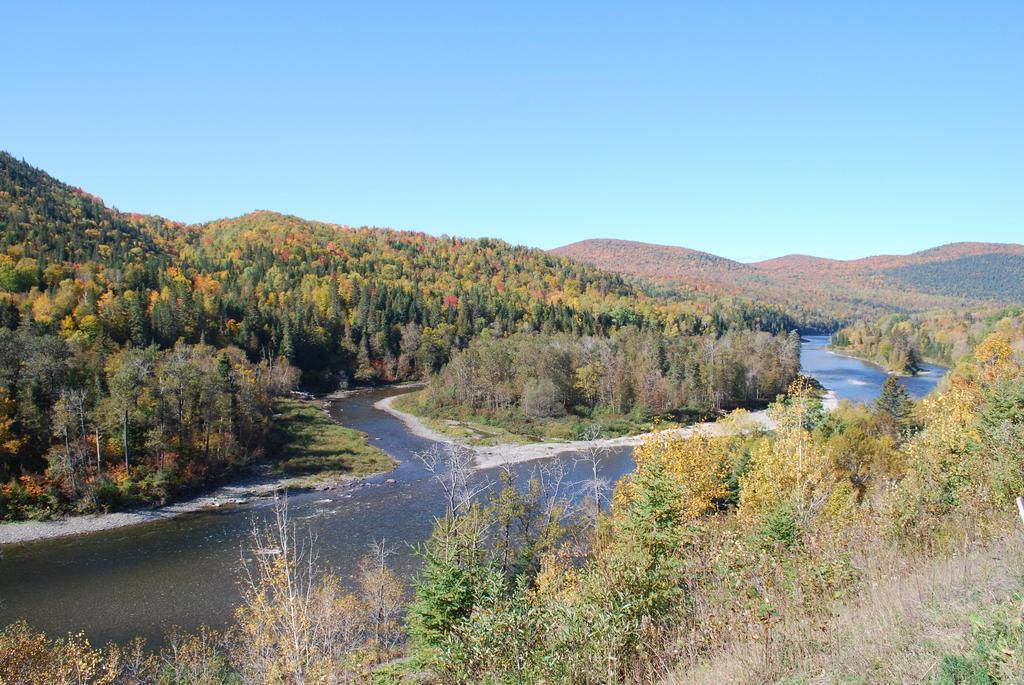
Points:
x=144, y=579
x=857, y=380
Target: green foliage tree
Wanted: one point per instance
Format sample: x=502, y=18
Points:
x=458, y=575
x=894, y=407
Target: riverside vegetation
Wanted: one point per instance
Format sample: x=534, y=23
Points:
x=900, y=342
x=745, y=557
x=556, y=386
x=84, y=431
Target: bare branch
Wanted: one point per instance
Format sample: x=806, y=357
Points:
x=454, y=468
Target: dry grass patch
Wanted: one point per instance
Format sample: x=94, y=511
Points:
x=898, y=631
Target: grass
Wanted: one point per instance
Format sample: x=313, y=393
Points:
x=996, y=651
x=514, y=427
x=305, y=442
x=941, y=621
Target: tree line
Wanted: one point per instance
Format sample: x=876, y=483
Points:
x=84, y=428
x=630, y=371
x=901, y=342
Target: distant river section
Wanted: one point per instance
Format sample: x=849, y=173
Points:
x=857, y=380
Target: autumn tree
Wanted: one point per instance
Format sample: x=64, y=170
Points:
x=297, y=624
x=790, y=468
x=10, y=442
x=127, y=374
x=698, y=463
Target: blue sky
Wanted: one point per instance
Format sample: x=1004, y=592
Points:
x=749, y=130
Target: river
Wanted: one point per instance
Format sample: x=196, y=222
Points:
x=140, y=580
x=857, y=380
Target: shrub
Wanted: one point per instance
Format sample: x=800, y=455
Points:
x=107, y=494
x=457, y=576
x=780, y=528
x=25, y=498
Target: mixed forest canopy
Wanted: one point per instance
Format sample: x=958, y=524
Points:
x=541, y=384
x=981, y=276
x=341, y=303
x=901, y=342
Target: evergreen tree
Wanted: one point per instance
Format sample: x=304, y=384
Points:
x=457, y=576
x=894, y=407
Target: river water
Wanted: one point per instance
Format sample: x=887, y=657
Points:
x=141, y=580
x=857, y=380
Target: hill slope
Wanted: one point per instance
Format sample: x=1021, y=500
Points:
x=160, y=349
x=340, y=302
x=950, y=276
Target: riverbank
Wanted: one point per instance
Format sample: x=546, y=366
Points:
x=880, y=363
x=491, y=456
x=306, y=440
x=241, y=492
x=312, y=452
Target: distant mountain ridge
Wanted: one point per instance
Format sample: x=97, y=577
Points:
x=948, y=276
x=933, y=254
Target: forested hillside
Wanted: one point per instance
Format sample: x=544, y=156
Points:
x=341, y=303
x=815, y=290
x=92, y=415
x=47, y=221
x=381, y=305
x=985, y=276
x=160, y=347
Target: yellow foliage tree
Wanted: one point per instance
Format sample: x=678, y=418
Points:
x=297, y=623
x=950, y=417
x=791, y=466
x=28, y=657
x=699, y=463
x=994, y=357
x=947, y=484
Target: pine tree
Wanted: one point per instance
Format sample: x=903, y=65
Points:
x=457, y=576
x=894, y=406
